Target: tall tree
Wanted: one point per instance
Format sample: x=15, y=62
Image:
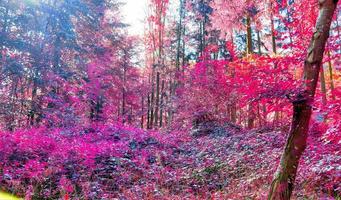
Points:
x=284, y=178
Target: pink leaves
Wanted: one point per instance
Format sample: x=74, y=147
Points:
x=34, y=168
x=66, y=186
x=215, y=85
x=114, y=161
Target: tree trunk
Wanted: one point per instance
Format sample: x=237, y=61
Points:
x=273, y=36
x=233, y=73
x=148, y=112
x=331, y=75
x=323, y=87
x=251, y=117
x=284, y=178
x=157, y=101
x=248, y=35
x=142, y=112
x=259, y=43
x=249, y=50
x=179, y=37
x=161, y=102
x=124, y=94
x=151, y=120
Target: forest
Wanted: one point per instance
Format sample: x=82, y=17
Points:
x=207, y=99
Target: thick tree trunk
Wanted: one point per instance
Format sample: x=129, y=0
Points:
x=284, y=179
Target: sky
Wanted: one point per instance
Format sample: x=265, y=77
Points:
x=134, y=13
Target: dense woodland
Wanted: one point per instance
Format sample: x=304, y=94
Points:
x=217, y=99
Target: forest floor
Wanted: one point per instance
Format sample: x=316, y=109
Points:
x=107, y=162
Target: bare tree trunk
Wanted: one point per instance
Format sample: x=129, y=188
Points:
x=323, y=87
x=169, y=101
x=274, y=51
x=259, y=43
x=233, y=104
x=251, y=117
x=157, y=101
x=161, y=102
x=179, y=36
x=248, y=35
x=331, y=75
x=124, y=94
x=249, y=50
x=273, y=36
x=284, y=178
x=142, y=111
x=151, y=120
x=148, y=112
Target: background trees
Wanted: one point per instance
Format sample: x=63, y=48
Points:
x=70, y=67
x=61, y=58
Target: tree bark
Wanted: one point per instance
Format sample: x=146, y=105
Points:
x=249, y=50
x=161, y=103
x=259, y=43
x=323, y=87
x=274, y=51
x=248, y=35
x=142, y=112
x=273, y=36
x=151, y=120
x=148, y=112
x=284, y=178
x=331, y=75
x=157, y=101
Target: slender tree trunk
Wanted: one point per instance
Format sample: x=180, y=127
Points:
x=284, y=178
x=233, y=104
x=264, y=113
x=157, y=101
x=248, y=35
x=151, y=121
x=148, y=112
x=233, y=113
x=161, y=102
x=124, y=94
x=201, y=39
x=323, y=87
x=179, y=36
x=251, y=117
x=33, y=108
x=142, y=112
x=249, y=50
x=183, y=50
x=274, y=51
x=169, y=101
x=273, y=33
x=330, y=67
x=259, y=43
